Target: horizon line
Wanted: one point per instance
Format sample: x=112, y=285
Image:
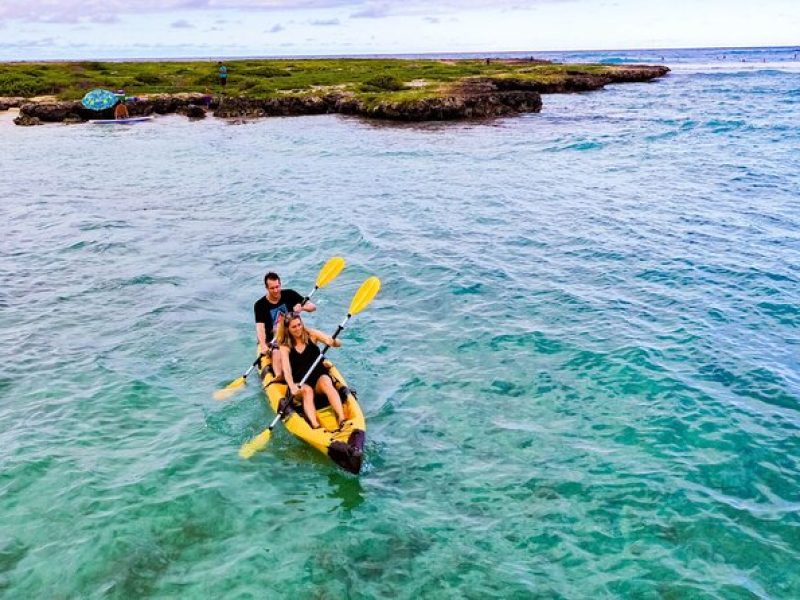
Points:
x=483, y=53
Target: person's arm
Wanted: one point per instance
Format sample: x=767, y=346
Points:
x=318, y=336
x=261, y=334
x=297, y=307
x=287, y=371
x=261, y=326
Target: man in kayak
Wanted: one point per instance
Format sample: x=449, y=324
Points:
x=269, y=310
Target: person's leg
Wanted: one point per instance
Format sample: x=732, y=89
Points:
x=277, y=368
x=325, y=386
x=308, y=406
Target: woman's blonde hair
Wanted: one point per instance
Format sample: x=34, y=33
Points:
x=283, y=335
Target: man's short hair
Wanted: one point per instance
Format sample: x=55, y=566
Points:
x=271, y=276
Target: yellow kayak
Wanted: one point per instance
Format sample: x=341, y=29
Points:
x=344, y=446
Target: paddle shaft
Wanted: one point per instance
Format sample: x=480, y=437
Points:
x=253, y=366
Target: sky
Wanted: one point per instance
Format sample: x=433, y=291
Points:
x=80, y=29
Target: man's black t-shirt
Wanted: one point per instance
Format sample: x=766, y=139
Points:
x=266, y=312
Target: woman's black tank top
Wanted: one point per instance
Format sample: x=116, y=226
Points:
x=301, y=362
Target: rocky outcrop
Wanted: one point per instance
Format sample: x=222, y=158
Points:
x=193, y=111
x=479, y=97
x=7, y=102
x=579, y=81
x=637, y=73
x=26, y=121
x=446, y=108
x=73, y=111
x=50, y=112
x=283, y=106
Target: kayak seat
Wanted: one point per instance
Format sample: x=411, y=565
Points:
x=321, y=400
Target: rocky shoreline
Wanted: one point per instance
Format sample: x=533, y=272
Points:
x=473, y=98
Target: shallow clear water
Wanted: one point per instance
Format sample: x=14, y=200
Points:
x=580, y=376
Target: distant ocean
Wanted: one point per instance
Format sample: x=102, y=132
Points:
x=581, y=376
x=671, y=56
x=665, y=55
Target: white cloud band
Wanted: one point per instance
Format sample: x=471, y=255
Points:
x=75, y=10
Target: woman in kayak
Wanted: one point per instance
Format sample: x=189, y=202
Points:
x=298, y=352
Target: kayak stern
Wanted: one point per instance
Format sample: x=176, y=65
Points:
x=349, y=455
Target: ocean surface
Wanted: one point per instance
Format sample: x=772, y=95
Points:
x=581, y=376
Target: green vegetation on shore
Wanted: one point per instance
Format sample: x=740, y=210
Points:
x=270, y=78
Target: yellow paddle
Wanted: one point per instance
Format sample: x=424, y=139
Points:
x=329, y=272
x=363, y=297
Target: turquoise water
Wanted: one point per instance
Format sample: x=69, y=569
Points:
x=580, y=376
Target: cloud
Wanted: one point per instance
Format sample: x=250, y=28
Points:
x=104, y=19
x=371, y=12
x=276, y=28
x=432, y=20
x=54, y=18
x=186, y=45
x=29, y=43
x=325, y=22
x=181, y=24
x=71, y=11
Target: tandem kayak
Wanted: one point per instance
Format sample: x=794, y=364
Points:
x=127, y=121
x=343, y=446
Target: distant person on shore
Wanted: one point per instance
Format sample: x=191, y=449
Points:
x=223, y=74
x=121, y=111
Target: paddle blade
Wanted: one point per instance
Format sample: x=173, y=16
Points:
x=258, y=443
x=230, y=389
x=364, y=295
x=330, y=271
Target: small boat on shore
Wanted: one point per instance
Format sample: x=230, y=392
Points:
x=343, y=446
x=128, y=121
